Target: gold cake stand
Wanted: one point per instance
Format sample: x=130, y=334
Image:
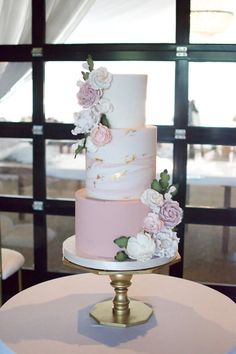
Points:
x=121, y=311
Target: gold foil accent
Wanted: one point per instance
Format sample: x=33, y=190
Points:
x=130, y=158
x=98, y=177
x=118, y=175
x=98, y=159
x=130, y=132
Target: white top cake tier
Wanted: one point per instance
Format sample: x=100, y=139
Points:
x=127, y=94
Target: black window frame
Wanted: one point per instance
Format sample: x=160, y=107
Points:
x=166, y=134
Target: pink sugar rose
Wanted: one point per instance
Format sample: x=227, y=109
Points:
x=152, y=223
x=171, y=213
x=87, y=96
x=101, y=135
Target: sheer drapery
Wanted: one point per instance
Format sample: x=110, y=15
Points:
x=62, y=18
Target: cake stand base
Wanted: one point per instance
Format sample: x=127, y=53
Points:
x=121, y=311
x=104, y=314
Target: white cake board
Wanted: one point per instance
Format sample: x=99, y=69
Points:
x=109, y=264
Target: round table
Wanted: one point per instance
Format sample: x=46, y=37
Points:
x=53, y=318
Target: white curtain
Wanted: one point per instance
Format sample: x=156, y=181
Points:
x=62, y=17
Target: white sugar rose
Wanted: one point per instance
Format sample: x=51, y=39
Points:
x=168, y=195
x=141, y=247
x=85, y=120
x=152, y=199
x=166, y=243
x=100, y=78
x=104, y=106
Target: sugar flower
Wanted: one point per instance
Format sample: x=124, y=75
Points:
x=100, y=78
x=171, y=213
x=157, y=237
x=141, y=247
x=166, y=243
x=152, y=199
x=85, y=120
x=87, y=96
x=92, y=119
x=101, y=135
x=152, y=223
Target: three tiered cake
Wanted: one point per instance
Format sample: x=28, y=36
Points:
x=122, y=205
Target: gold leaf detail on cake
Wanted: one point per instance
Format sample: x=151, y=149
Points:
x=98, y=177
x=118, y=175
x=98, y=159
x=130, y=158
x=130, y=132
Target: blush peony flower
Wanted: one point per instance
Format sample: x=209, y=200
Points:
x=85, y=120
x=101, y=135
x=141, y=247
x=152, y=223
x=166, y=243
x=100, y=78
x=152, y=199
x=171, y=213
x=87, y=96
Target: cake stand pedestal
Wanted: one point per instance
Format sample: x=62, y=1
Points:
x=121, y=311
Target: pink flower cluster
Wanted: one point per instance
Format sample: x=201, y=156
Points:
x=170, y=214
x=90, y=97
x=162, y=218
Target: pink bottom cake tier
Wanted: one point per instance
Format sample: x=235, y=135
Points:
x=99, y=222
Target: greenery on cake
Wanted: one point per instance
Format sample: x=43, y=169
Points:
x=92, y=121
x=158, y=237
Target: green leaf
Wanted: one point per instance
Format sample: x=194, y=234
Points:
x=90, y=63
x=85, y=75
x=121, y=241
x=79, y=150
x=121, y=256
x=104, y=121
x=156, y=186
x=164, y=181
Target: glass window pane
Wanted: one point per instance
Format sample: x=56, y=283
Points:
x=105, y=21
x=164, y=158
x=17, y=234
x=61, y=102
x=63, y=227
x=213, y=21
x=214, y=99
x=16, y=166
x=211, y=172
x=205, y=259
x=15, y=22
x=15, y=92
x=65, y=174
